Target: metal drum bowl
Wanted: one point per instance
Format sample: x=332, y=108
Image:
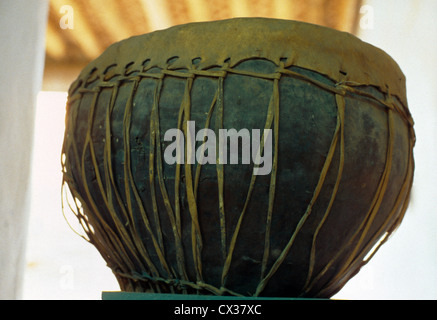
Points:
x=341, y=165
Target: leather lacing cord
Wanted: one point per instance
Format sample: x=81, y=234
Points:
x=119, y=241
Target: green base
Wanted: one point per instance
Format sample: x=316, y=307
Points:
x=120, y=295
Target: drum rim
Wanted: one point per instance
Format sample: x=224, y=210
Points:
x=338, y=55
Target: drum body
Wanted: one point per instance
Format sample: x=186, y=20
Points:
x=337, y=180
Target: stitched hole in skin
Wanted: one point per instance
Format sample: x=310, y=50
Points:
x=172, y=60
x=145, y=64
x=196, y=60
x=129, y=68
x=109, y=72
x=93, y=76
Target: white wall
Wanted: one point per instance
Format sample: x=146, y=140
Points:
x=406, y=266
x=22, y=39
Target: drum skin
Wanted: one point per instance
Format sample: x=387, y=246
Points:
x=342, y=161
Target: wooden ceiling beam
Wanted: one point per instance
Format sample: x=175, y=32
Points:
x=99, y=23
x=199, y=10
x=157, y=14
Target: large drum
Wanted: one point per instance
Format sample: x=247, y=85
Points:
x=251, y=156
